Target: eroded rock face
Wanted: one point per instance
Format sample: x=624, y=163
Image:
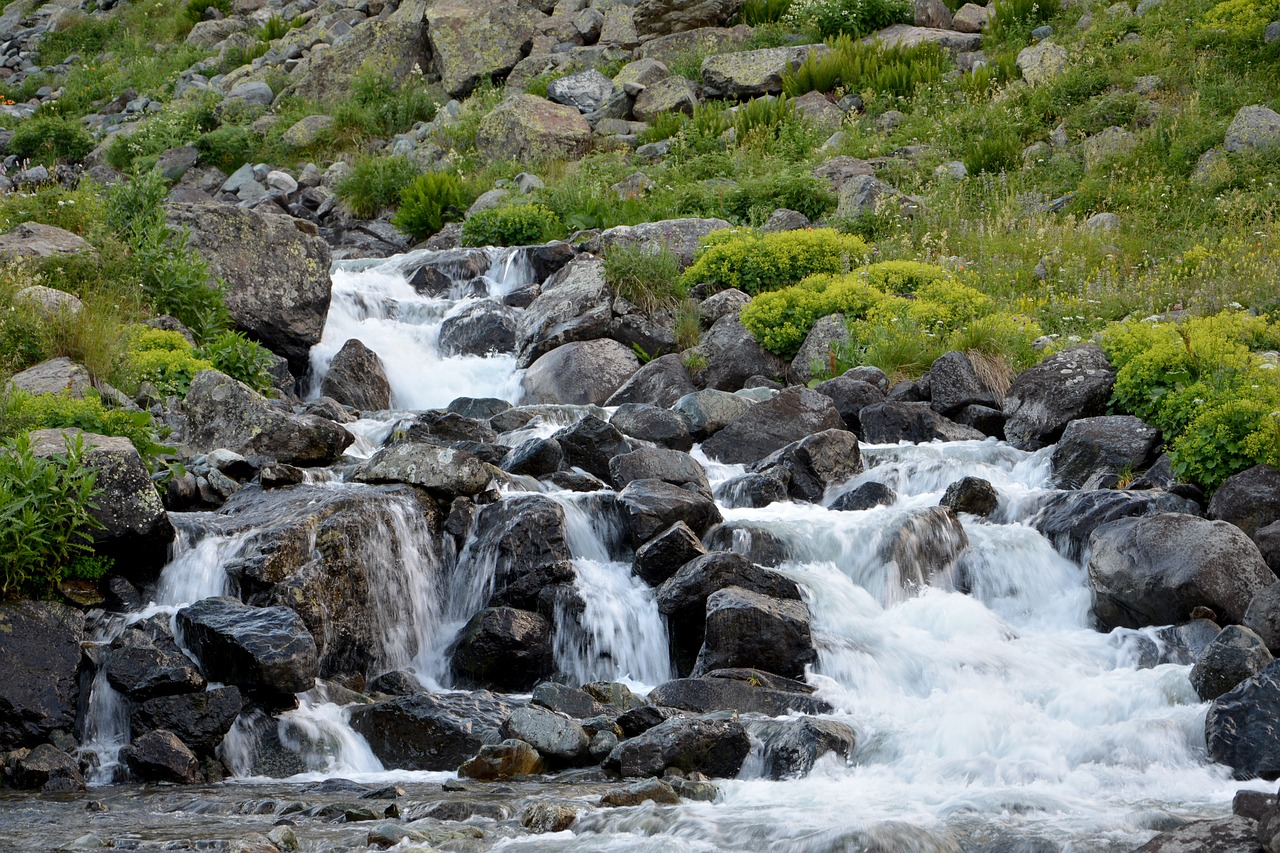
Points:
x=276, y=275
x=40, y=680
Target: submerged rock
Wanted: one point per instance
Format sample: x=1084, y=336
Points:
x=430, y=731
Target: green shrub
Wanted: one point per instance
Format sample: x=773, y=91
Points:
x=50, y=139
x=229, y=147
x=512, y=225
x=662, y=126
x=1240, y=19
x=172, y=127
x=996, y=151
x=165, y=359
x=755, y=263
x=856, y=67
x=898, y=345
x=275, y=27
x=800, y=190
x=375, y=106
x=757, y=12
x=429, y=201
x=854, y=18
x=647, y=276
x=374, y=184
x=21, y=413
x=901, y=276
x=688, y=324
x=1008, y=16
x=763, y=116
x=780, y=320
x=194, y=9
x=944, y=304
x=45, y=516
x=240, y=358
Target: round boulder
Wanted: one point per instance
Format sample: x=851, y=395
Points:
x=583, y=372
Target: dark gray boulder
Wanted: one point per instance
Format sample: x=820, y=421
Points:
x=160, y=756
x=714, y=747
x=792, y=415
x=651, y=506
x=661, y=382
x=851, y=396
x=757, y=694
x=357, y=378
x=754, y=490
x=954, y=383
x=40, y=679
x=1268, y=541
x=574, y=305
x=1224, y=835
x=1068, y=519
x=709, y=411
x=443, y=471
x=144, y=662
x=894, y=421
x=564, y=699
x=1092, y=450
x=504, y=649
x=1234, y=655
x=517, y=535
x=47, y=769
x=925, y=544
x=481, y=328
x=1250, y=500
x=258, y=648
x=757, y=544
x=590, y=444
x=660, y=426
x=746, y=629
x=1263, y=616
x=580, y=372
x=431, y=731
x=973, y=495
x=1242, y=728
x=534, y=457
x=732, y=356
x=1075, y=383
x=814, y=464
x=793, y=746
x=198, y=719
x=664, y=554
x=560, y=740
x=869, y=495
x=1156, y=570
x=652, y=463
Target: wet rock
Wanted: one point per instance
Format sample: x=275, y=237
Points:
x=851, y=396
x=614, y=695
x=649, y=790
x=574, y=305
x=748, y=74
x=651, y=463
x=793, y=746
x=1071, y=384
x=715, y=747
x=40, y=680
x=505, y=649
x=198, y=719
x=529, y=128
x=483, y=328
x=518, y=534
x=566, y=700
x=661, y=382
x=504, y=760
x=867, y=496
x=754, y=490
x=276, y=275
x=755, y=543
x=430, y=731
x=746, y=629
x=653, y=424
x=1234, y=655
x=1092, y=449
x=580, y=372
x=559, y=740
x=651, y=506
x=548, y=817
x=144, y=662
x=160, y=756
x=1263, y=616
x=259, y=648
x=481, y=408
x=893, y=421
x=590, y=444
x=814, y=464
x=46, y=768
x=1069, y=518
x=441, y=470
x=792, y=415
x=447, y=429
x=925, y=544
x=534, y=457
x=707, y=412
x=398, y=682
x=1156, y=570
x=356, y=378
x=732, y=356
x=973, y=495
x=1224, y=835
x=1250, y=500
x=1242, y=728
x=663, y=555
x=225, y=413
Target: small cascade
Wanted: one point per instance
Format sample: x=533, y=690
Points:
x=106, y=732
x=197, y=568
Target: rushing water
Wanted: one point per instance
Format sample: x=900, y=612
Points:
x=989, y=714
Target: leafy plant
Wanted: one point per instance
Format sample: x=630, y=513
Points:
x=646, y=276
x=854, y=18
x=757, y=263
x=1010, y=15
x=856, y=67
x=274, y=27
x=429, y=201
x=512, y=225
x=21, y=413
x=240, y=358
x=758, y=12
x=374, y=184
x=50, y=139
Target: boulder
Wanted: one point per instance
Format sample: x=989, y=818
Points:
x=1234, y=655
x=505, y=760
x=924, y=544
x=932, y=13
x=954, y=383
x=40, y=680
x=732, y=356
x=442, y=471
x=566, y=700
x=225, y=413
x=582, y=372
x=558, y=739
x=792, y=415
x=973, y=495
x=754, y=693
x=1242, y=728
x=356, y=378
x=851, y=396
x=1253, y=128
x=673, y=94
x=651, y=506
x=542, y=817
x=652, y=424
x=905, y=35
x=817, y=353
x=161, y=757
x=534, y=457
x=637, y=793
x=135, y=527
x=664, y=554
x=680, y=236
x=1042, y=63
x=970, y=18
x=58, y=375
x=661, y=382
x=891, y=422
x=1075, y=383
x=814, y=464
x=1223, y=835
x=259, y=648
x=1068, y=518
x=746, y=629
x=751, y=73
x=47, y=769
x=503, y=648
x=707, y=412
x=705, y=40
x=475, y=40
x=864, y=195
x=573, y=306
x=198, y=719
x=652, y=463
x=724, y=303
x=714, y=747
x=866, y=496
x=1250, y=500
x=482, y=328
x=528, y=128
x=145, y=662
x=306, y=131
x=754, y=490
x=37, y=241
x=1156, y=570
x=793, y=746
x=48, y=302
x=430, y=731
x=755, y=543
x=660, y=17
x=590, y=444
x=1093, y=450
x=584, y=90
x=276, y=274
x=1263, y=616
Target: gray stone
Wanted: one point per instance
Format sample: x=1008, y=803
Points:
x=483, y=328
x=1071, y=384
x=1042, y=63
x=1094, y=448
x=709, y=411
x=1250, y=500
x=441, y=470
x=58, y=375
x=474, y=40
x=1224, y=835
x=933, y=14
x=793, y=746
x=356, y=378
x=954, y=383
x=1242, y=728
x=160, y=756
x=794, y=414
x=1234, y=655
x=714, y=747
x=972, y=495
x=753, y=73
x=923, y=545
x=656, y=425
x=503, y=648
x=733, y=355
x=651, y=506
x=557, y=739
x=431, y=731
x=585, y=90
x=970, y=18
x=40, y=681
x=819, y=348
x=747, y=629
x=528, y=128
x=574, y=305
x=582, y=372
x=255, y=92
x=260, y=648
x=864, y=195
x=905, y=35
x=48, y=769
x=497, y=761
x=1253, y=128
x=891, y=422
x=660, y=17
x=680, y=236
x=307, y=131
x=34, y=240
x=814, y=464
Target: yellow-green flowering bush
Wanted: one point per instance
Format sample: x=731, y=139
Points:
x=757, y=263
